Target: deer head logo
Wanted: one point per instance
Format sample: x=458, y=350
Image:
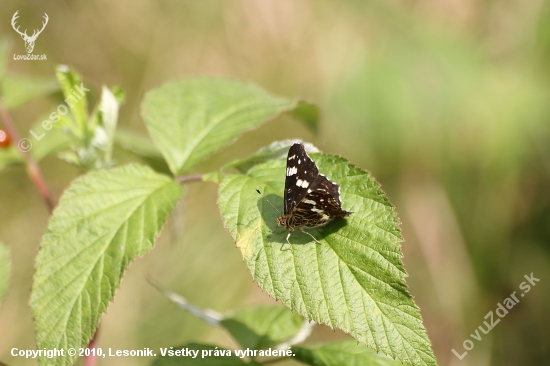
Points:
x=29, y=40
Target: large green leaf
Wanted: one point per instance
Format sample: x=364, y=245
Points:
x=5, y=268
x=201, y=359
x=346, y=352
x=262, y=326
x=103, y=221
x=354, y=280
x=191, y=119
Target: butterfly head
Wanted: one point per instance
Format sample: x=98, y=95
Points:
x=282, y=221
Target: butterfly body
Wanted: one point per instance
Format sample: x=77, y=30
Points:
x=310, y=198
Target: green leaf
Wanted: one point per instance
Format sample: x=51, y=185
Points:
x=9, y=157
x=191, y=119
x=262, y=326
x=346, y=352
x=18, y=90
x=104, y=220
x=277, y=150
x=202, y=359
x=309, y=114
x=5, y=268
x=354, y=280
x=73, y=88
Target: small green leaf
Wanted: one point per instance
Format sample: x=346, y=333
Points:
x=191, y=119
x=354, y=280
x=103, y=124
x=346, y=352
x=309, y=114
x=104, y=220
x=5, y=268
x=262, y=326
x=75, y=97
x=18, y=90
x=202, y=359
x=277, y=150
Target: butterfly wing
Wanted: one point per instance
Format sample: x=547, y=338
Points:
x=320, y=205
x=301, y=173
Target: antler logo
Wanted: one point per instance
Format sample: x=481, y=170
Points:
x=29, y=40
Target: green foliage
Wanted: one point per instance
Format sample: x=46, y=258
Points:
x=191, y=119
x=346, y=352
x=5, y=268
x=276, y=327
x=93, y=134
x=104, y=220
x=200, y=361
x=353, y=280
x=69, y=80
x=262, y=326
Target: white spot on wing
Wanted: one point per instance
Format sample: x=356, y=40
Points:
x=299, y=161
x=291, y=157
x=316, y=210
x=291, y=171
x=310, y=202
x=302, y=183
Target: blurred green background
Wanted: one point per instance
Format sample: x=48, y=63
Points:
x=446, y=102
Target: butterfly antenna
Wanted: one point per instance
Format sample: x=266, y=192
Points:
x=260, y=193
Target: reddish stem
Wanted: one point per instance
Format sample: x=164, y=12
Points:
x=32, y=167
x=91, y=358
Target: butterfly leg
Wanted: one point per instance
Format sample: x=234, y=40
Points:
x=305, y=232
x=288, y=241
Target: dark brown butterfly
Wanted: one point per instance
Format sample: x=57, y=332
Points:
x=310, y=199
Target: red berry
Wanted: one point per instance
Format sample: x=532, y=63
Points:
x=5, y=139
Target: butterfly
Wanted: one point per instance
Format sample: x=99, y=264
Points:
x=310, y=199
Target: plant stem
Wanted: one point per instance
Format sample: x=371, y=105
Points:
x=33, y=169
x=189, y=178
x=90, y=360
